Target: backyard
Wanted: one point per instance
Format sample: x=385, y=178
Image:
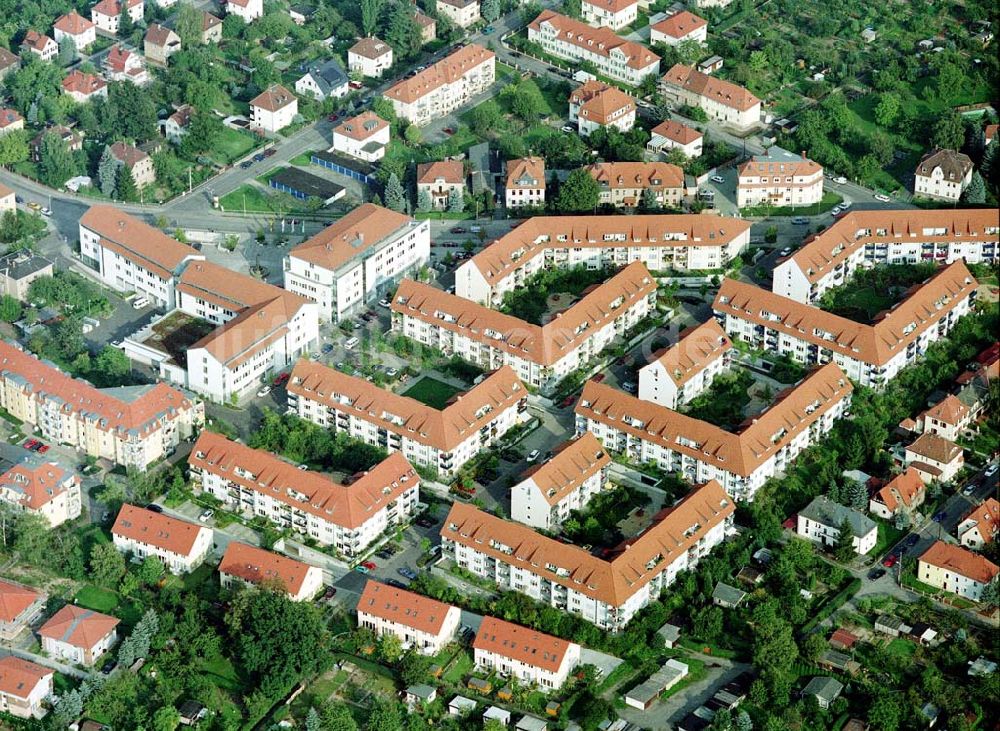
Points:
x=872, y=291
x=549, y=291
x=724, y=403
x=432, y=392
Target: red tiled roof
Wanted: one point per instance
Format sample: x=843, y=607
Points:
x=451, y=171
x=18, y=677
x=78, y=627
x=935, y=448
x=112, y=8
x=679, y=133
x=155, y=529
x=446, y=71
x=73, y=23
x=77, y=82
x=361, y=128
x=521, y=644
x=36, y=485
x=601, y=41
x=720, y=91
x=341, y=241
x=36, y=41
x=137, y=241
x=403, y=607
x=903, y=488
x=532, y=168
x=948, y=410
x=652, y=175
x=696, y=349
x=256, y=565
x=987, y=519
x=680, y=25
x=960, y=561
x=14, y=599
x=128, y=155
x=273, y=98
x=601, y=102
x=371, y=48
x=573, y=463
x=9, y=117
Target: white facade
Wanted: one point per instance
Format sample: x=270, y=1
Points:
x=526, y=672
x=175, y=562
x=45, y=489
x=86, y=35
x=462, y=13
x=692, y=145
x=938, y=186
x=613, y=14
x=370, y=57
x=659, y=386
x=25, y=702
x=73, y=655
x=385, y=611
x=956, y=569
x=445, y=86
x=828, y=535
x=107, y=14
x=275, y=113
x=249, y=10
x=370, y=148
x=721, y=100
x=779, y=182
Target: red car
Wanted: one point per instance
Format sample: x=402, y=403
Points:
x=448, y=131
x=30, y=444
x=370, y=565
x=598, y=378
x=333, y=117
x=281, y=379
x=43, y=448
x=567, y=401
x=890, y=561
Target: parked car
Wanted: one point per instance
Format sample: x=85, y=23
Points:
x=45, y=211
x=333, y=117
x=991, y=470
x=351, y=343
x=800, y=221
x=263, y=391
x=599, y=377
x=246, y=164
x=448, y=130
x=330, y=593
x=568, y=401
x=882, y=197
x=154, y=508
x=282, y=379
x=259, y=157
x=533, y=455
x=36, y=207
x=383, y=302
x=407, y=573
x=270, y=151
x=785, y=252
x=31, y=444
x=370, y=565
x=43, y=448
x=840, y=180
x=327, y=347
x=911, y=540
x=939, y=516
x=876, y=574
x=969, y=489
x=206, y=515
x=717, y=179
x=361, y=570
x=568, y=128
x=630, y=387
x=396, y=583
x=890, y=561
x=488, y=29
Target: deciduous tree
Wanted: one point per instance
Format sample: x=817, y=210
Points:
x=579, y=193
x=56, y=163
x=107, y=565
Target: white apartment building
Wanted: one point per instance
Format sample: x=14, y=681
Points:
x=721, y=100
x=526, y=655
x=660, y=242
x=672, y=135
x=348, y=518
x=106, y=14
x=614, y=57
x=607, y=592
x=525, y=183
x=369, y=57
x=687, y=368
x=44, y=488
x=132, y=426
x=779, y=179
x=948, y=418
x=548, y=492
x=679, y=27
x=181, y=546
x=244, y=565
x=249, y=10
x=357, y=259
x=131, y=256
x=442, y=440
x=981, y=526
x=444, y=86
x=870, y=354
x=462, y=13
x=863, y=239
x=78, y=636
x=273, y=109
x=365, y=137
x=541, y=355
x=629, y=184
x=596, y=105
x=75, y=27
x=934, y=458
x=699, y=451
x=821, y=520
x=421, y=623
x=24, y=686
x=956, y=569
x=613, y=14
x=942, y=175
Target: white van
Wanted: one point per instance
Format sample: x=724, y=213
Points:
x=351, y=343
x=139, y=302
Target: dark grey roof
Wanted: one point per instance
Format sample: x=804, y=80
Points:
x=307, y=183
x=728, y=594
x=831, y=514
x=823, y=687
x=20, y=264
x=329, y=76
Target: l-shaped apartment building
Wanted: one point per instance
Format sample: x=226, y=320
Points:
x=347, y=517
x=741, y=461
x=873, y=354
x=863, y=239
x=660, y=242
x=442, y=440
x=541, y=355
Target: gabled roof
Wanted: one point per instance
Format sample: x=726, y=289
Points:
x=824, y=511
x=37, y=41
x=696, y=349
x=573, y=463
x=960, y=561
x=710, y=87
x=9, y=117
x=33, y=484
x=403, y=607
x=521, y=644
x=160, y=35
x=954, y=165
x=273, y=98
x=903, y=488
x=257, y=565
x=446, y=71
x=14, y=599
x=128, y=155
x=137, y=241
x=112, y=8
x=78, y=627
x=72, y=23
x=525, y=172
x=986, y=518
x=156, y=529
x=328, y=76
x=601, y=41
x=680, y=25
x=651, y=175
x=8, y=59
x=359, y=231
x=677, y=132
x=18, y=677
x=450, y=171
x=936, y=448
x=349, y=506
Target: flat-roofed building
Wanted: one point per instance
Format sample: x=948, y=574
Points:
x=721, y=100
x=24, y=686
x=660, y=242
x=870, y=354
x=244, y=565
x=444, y=86
x=541, y=355
x=357, y=259
x=421, y=623
x=442, y=440
x=956, y=569
x=78, y=636
x=132, y=426
x=526, y=655
x=181, y=546
x=633, y=184
x=548, y=492
x=348, y=518
x=862, y=239
x=687, y=368
x=605, y=591
x=618, y=59
x=699, y=451
x=613, y=14
x=42, y=487
x=779, y=179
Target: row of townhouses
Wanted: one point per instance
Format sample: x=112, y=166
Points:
x=723, y=101
x=444, y=86
x=873, y=354
x=605, y=591
x=442, y=440
x=347, y=517
x=660, y=242
x=541, y=355
x=862, y=239
x=699, y=451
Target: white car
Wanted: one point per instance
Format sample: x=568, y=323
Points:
x=206, y=515
x=533, y=456
x=263, y=391
x=567, y=128
x=717, y=179
x=840, y=180
x=991, y=470
x=45, y=212
x=883, y=198
x=383, y=302
x=845, y=204
x=785, y=252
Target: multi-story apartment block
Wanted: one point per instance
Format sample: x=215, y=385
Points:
x=78, y=636
x=613, y=14
x=741, y=461
x=347, y=517
x=462, y=13
x=614, y=57
x=872, y=355
x=605, y=591
x=862, y=239
x=548, y=492
x=904, y=493
x=672, y=135
x=942, y=175
x=357, y=259
x=444, y=86
x=181, y=546
x=541, y=355
x=981, y=526
x=262, y=328
x=442, y=440
x=24, y=685
x=679, y=27
x=596, y=105
x=131, y=256
x=660, y=242
x=779, y=179
x=75, y=27
x=421, y=623
x=42, y=487
x=526, y=655
x=721, y=100
x=131, y=426
x=687, y=368
x=19, y=607
x=106, y=14
x=365, y=137
x=524, y=185
x=632, y=184
x=956, y=569
x=248, y=10
x=273, y=109
x=369, y=57
x=822, y=519
x=244, y=565
x=440, y=181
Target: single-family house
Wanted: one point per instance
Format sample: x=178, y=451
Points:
x=123, y=65
x=934, y=457
x=160, y=44
x=249, y=10
x=673, y=135
x=439, y=180
x=525, y=183
x=948, y=418
x=176, y=125
x=596, y=104
x=10, y=121
x=106, y=14
x=679, y=27
x=137, y=162
x=78, y=636
x=43, y=487
x=81, y=86
x=39, y=44
x=462, y=13
x=822, y=519
x=274, y=108
x=904, y=493
x=956, y=569
x=78, y=29
x=369, y=57
x=942, y=175
x=981, y=526
x=23, y=687
x=323, y=81
x=365, y=137
x=211, y=28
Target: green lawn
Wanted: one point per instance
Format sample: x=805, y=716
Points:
x=829, y=201
x=901, y=648
x=221, y=672
x=460, y=668
x=232, y=145
x=432, y=392
x=96, y=598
